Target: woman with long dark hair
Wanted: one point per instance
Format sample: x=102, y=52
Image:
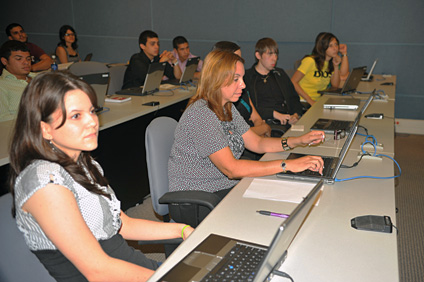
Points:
x=69, y=215
x=322, y=67
x=66, y=50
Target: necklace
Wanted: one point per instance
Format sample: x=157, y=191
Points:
x=265, y=78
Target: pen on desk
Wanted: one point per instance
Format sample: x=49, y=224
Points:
x=268, y=213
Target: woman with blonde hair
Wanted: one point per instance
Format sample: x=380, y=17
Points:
x=211, y=135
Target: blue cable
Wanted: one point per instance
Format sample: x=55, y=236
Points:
x=373, y=143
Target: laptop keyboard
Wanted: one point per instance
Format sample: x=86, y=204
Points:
x=327, y=168
x=240, y=264
x=339, y=124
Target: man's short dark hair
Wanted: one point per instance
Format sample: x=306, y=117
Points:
x=12, y=45
x=146, y=34
x=178, y=40
x=9, y=28
x=226, y=46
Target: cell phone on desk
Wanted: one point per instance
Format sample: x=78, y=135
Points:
x=153, y=103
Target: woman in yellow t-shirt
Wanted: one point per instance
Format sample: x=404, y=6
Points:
x=321, y=68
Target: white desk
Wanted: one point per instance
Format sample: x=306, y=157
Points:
x=327, y=248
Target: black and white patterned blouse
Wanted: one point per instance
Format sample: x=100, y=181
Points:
x=198, y=135
x=100, y=214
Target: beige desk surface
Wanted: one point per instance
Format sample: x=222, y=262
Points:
x=389, y=90
x=326, y=248
x=118, y=113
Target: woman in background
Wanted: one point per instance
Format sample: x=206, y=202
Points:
x=322, y=67
x=66, y=49
x=69, y=215
x=212, y=135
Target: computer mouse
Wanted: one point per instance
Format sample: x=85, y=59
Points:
x=387, y=83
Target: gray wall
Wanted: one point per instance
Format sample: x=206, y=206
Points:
x=390, y=30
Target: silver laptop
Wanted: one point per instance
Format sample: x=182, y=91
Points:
x=368, y=78
x=189, y=70
x=331, y=164
x=350, y=85
x=334, y=103
x=330, y=125
x=217, y=253
x=151, y=83
x=188, y=73
x=100, y=84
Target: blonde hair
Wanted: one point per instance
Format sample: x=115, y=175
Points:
x=218, y=71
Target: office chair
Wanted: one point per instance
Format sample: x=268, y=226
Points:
x=116, y=78
x=89, y=67
x=17, y=263
x=189, y=207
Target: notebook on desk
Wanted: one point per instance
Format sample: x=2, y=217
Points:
x=100, y=84
x=331, y=164
x=331, y=125
x=369, y=76
x=217, y=254
x=151, y=83
x=188, y=73
x=350, y=85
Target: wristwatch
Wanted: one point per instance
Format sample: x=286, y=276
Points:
x=283, y=166
x=286, y=146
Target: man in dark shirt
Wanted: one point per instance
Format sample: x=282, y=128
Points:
x=40, y=60
x=271, y=90
x=139, y=63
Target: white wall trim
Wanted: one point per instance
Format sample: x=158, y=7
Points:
x=410, y=126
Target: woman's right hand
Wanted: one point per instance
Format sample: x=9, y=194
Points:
x=314, y=163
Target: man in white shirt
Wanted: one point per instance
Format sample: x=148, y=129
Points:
x=182, y=53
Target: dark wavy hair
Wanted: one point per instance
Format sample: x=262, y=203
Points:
x=40, y=99
x=321, y=45
x=62, y=32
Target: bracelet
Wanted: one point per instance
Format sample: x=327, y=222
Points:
x=182, y=231
x=284, y=144
x=344, y=55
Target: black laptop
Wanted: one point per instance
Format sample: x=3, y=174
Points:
x=330, y=125
x=351, y=83
x=151, y=83
x=219, y=258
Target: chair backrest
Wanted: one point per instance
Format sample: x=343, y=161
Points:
x=159, y=140
x=17, y=263
x=296, y=64
x=84, y=68
x=116, y=78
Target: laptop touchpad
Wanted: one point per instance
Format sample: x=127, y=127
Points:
x=202, y=260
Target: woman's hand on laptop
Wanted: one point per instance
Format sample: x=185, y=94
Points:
x=314, y=137
x=314, y=163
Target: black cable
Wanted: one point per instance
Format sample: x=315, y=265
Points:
x=282, y=274
x=366, y=130
x=356, y=163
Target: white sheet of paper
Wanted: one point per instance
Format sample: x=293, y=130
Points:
x=278, y=190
